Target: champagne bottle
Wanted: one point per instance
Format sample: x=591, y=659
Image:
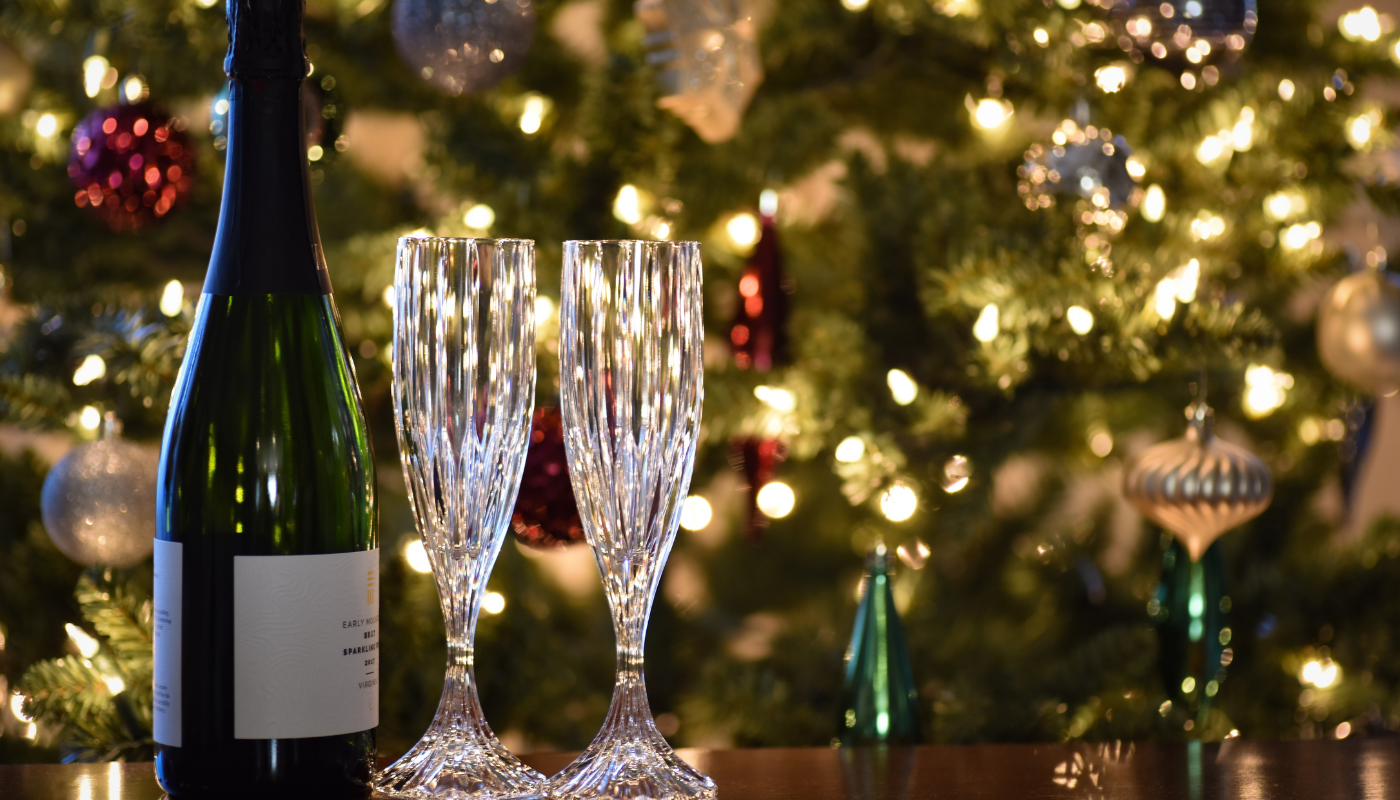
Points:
x=266, y=559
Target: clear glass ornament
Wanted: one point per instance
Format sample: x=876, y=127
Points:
x=632, y=381
x=99, y=500
x=464, y=386
x=463, y=46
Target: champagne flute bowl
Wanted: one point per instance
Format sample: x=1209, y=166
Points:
x=631, y=383
x=464, y=387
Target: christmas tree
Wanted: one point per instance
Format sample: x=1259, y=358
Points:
x=963, y=260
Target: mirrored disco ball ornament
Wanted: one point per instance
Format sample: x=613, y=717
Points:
x=1087, y=162
x=707, y=53
x=463, y=45
x=99, y=502
x=1186, y=34
x=1358, y=330
x=1198, y=486
x=131, y=164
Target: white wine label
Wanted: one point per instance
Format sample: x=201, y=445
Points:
x=305, y=645
x=169, y=593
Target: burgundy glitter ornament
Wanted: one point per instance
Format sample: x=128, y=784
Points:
x=758, y=459
x=546, y=513
x=131, y=165
x=759, y=336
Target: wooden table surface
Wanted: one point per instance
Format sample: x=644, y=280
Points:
x=1365, y=770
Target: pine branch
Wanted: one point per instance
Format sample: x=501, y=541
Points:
x=122, y=614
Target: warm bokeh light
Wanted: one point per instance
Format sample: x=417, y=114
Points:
x=1321, y=673
x=115, y=685
x=990, y=113
x=1154, y=203
x=1081, y=319
x=17, y=708
x=742, y=229
x=1111, y=78
x=775, y=398
x=988, y=323
x=1360, y=129
x=90, y=418
x=776, y=500
x=1363, y=24
x=1285, y=89
x=133, y=88
x=957, y=471
x=1041, y=37
x=47, y=126
x=1284, y=204
x=854, y=5
x=94, y=70
x=93, y=368
x=899, y=502
x=1265, y=390
x=1296, y=237
x=479, y=217
x=902, y=387
x=172, y=300
x=850, y=450
x=493, y=603
x=533, y=115
x=544, y=309
x=84, y=642
x=417, y=556
x=695, y=513
x=627, y=207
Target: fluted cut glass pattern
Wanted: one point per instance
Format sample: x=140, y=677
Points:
x=632, y=380
x=464, y=387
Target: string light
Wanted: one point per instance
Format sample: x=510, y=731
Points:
x=695, y=513
x=1207, y=226
x=855, y=5
x=850, y=450
x=1265, y=390
x=90, y=418
x=544, y=308
x=1041, y=37
x=1154, y=204
x=988, y=323
x=776, y=500
x=115, y=685
x=479, y=217
x=1100, y=440
x=94, y=70
x=417, y=556
x=533, y=115
x=1361, y=24
x=1360, y=128
x=1081, y=319
x=134, y=89
x=86, y=645
x=627, y=207
x=1279, y=206
x=957, y=472
x=47, y=126
x=1321, y=673
x=902, y=387
x=1285, y=90
x=93, y=368
x=898, y=503
x=1298, y=236
x=389, y=296
x=17, y=708
x=493, y=603
x=742, y=229
x=172, y=300
x=1111, y=78
x=777, y=399
x=990, y=113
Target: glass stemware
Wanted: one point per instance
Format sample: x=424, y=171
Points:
x=464, y=387
x=631, y=381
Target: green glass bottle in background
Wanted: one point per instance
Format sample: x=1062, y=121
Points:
x=879, y=703
x=266, y=559
x=1193, y=640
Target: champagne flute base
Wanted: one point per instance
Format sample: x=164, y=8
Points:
x=629, y=759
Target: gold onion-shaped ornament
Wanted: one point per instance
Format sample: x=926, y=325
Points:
x=1198, y=486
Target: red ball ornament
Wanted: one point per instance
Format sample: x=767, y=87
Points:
x=546, y=513
x=759, y=336
x=131, y=165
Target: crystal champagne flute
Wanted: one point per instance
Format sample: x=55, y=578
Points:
x=631, y=381
x=464, y=387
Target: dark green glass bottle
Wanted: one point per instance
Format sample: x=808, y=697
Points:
x=880, y=705
x=267, y=590
x=1192, y=635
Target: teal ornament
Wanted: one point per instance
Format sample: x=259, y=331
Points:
x=880, y=705
x=1193, y=637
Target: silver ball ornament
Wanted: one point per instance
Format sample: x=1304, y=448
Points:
x=1198, y=486
x=1094, y=167
x=1358, y=331
x=463, y=46
x=99, y=502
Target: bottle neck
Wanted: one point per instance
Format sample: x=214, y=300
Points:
x=267, y=241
